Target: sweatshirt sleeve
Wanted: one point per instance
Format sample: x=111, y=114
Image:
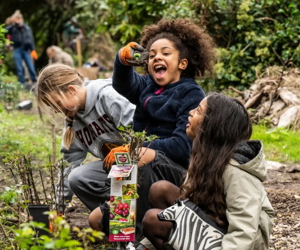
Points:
x=178, y=146
x=127, y=82
x=243, y=200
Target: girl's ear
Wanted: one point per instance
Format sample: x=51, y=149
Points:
x=183, y=64
x=72, y=89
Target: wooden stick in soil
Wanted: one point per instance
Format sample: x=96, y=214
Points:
x=53, y=144
x=26, y=191
x=61, y=187
x=28, y=165
x=43, y=185
x=23, y=177
x=13, y=175
x=29, y=187
x=52, y=183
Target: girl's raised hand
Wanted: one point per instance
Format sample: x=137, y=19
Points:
x=133, y=54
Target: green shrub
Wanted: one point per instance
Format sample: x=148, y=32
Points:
x=252, y=34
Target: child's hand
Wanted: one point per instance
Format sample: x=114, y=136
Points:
x=133, y=54
x=34, y=55
x=110, y=158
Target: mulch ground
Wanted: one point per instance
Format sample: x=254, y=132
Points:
x=284, y=194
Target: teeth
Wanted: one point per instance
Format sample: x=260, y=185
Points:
x=158, y=66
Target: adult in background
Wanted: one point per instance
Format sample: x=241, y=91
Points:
x=23, y=46
x=57, y=55
x=72, y=32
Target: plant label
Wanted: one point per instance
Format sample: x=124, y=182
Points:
x=123, y=195
x=122, y=159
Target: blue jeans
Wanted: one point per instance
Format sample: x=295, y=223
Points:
x=19, y=55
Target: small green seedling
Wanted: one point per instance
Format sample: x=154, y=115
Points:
x=137, y=56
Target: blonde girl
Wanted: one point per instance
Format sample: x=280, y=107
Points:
x=92, y=112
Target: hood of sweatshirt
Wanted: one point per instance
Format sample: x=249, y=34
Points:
x=250, y=156
x=92, y=94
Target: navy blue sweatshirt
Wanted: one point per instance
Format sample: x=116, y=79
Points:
x=160, y=111
x=21, y=36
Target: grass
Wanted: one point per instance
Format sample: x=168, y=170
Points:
x=24, y=131
x=280, y=144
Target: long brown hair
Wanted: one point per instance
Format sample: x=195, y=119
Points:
x=56, y=78
x=226, y=123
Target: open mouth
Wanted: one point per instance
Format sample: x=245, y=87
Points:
x=160, y=71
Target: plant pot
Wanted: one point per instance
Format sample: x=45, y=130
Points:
x=37, y=212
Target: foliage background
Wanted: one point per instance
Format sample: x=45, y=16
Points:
x=251, y=34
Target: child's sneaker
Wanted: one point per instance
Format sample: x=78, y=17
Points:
x=144, y=244
x=141, y=247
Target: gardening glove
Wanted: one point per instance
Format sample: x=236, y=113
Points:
x=110, y=158
x=133, y=54
x=34, y=55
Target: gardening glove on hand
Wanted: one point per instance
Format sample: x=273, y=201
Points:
x=133, y=54
x=110, y=158
x=34, y=55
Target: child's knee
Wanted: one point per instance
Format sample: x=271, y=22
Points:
x=158, y=189
x=150, y=217
x=94, y=219
x=73, y=179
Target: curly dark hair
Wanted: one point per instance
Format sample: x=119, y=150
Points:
x=225, y=125
x=192, y=42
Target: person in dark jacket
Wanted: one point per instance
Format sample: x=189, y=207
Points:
x=179, y=51
x=23, y=45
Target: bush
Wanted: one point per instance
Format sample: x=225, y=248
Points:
x=252, y=34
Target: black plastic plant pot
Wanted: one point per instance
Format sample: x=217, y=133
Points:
x=37, y=212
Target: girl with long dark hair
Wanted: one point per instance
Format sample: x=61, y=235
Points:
x=222, y=203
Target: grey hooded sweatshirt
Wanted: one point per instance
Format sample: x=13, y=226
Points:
x=96, y=127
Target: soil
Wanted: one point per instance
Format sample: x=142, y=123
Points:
x=283, y=190
x=284, y=194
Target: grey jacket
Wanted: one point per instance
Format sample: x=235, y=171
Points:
x=249, y=212
x=96, y=126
